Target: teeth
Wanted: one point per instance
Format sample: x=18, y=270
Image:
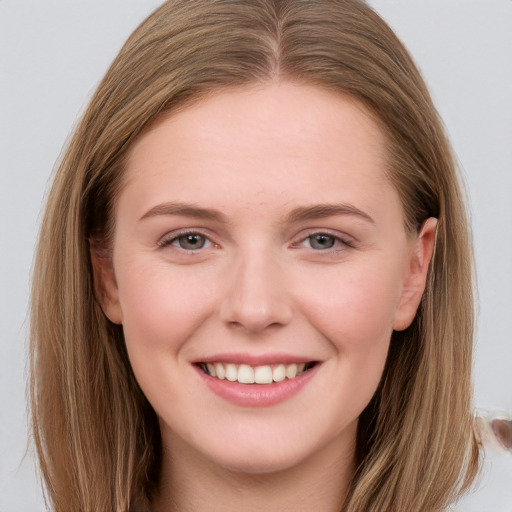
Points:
x=263, y=375
x=279, y=373
x=231, y=372
x=220, y=373
x=211, y=369
x=291, y=371
x=246, y=374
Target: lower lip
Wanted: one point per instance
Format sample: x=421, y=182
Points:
x=257, y=395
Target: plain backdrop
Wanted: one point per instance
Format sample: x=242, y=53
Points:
x=53, y=54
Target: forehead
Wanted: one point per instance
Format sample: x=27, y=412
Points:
x=267, y=144
x=286, y=110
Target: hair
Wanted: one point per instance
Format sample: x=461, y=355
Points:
x=97, y=437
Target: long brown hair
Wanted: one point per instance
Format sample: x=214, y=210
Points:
x=97, y=437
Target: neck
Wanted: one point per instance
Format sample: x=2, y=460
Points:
x=192, y=483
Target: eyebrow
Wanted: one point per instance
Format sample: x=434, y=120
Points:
x=299, y=214
x=185, y=210
x=320, y=211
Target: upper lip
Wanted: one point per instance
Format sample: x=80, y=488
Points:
x=255, y=359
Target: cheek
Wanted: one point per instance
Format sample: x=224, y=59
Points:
x=355, y=314
x=356, y=307
x=162, y=307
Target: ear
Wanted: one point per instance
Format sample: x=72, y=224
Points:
x=105, y=285
x=415, y=275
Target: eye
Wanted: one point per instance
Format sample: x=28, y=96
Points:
x=190, y=241
x=326, y=242
x=187, y=241
x=321, y=241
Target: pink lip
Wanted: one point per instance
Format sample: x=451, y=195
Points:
x=255, y=360
x=256, y=395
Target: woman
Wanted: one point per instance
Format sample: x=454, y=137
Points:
x=258, y=291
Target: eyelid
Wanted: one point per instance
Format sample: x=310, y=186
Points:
x=343, y=238
x=168, y=239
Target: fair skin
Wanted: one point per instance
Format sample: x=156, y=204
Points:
x=257, y=229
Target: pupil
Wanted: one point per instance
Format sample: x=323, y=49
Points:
x=322, y=241
x=191, y=241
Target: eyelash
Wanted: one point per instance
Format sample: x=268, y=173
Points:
x=173, y=239
x=337, y=242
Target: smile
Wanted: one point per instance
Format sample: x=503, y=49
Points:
x=261, y=374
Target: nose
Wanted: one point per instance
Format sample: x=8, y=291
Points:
x=256, y=296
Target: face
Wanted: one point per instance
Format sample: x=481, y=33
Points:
x=260, y=264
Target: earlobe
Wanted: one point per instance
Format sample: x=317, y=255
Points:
x=415, y=275
x=105, y=286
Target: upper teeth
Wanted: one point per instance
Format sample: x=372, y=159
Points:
x=246, y=374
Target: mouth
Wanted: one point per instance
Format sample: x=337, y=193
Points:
x=255, y=374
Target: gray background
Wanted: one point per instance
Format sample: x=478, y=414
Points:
x=54, y=52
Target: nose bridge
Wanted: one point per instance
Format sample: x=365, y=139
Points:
x=256, y=296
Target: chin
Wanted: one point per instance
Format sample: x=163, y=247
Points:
x=257, y=462
x=266, y=451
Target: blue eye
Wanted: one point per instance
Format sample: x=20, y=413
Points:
x=322, y=241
